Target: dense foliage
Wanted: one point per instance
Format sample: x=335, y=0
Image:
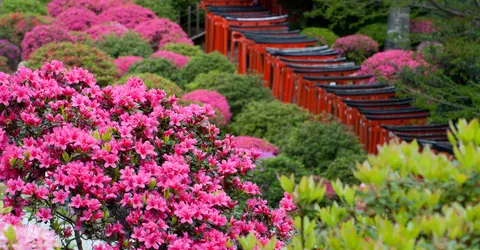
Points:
x=268, y=120
x=23, y=6
x=153, y=81
x=14, y=26
x=77, y=55
x=78, y=18
x=97, y=32
x=324, y=36
x=161, y=31
x=42, y=35
x=158, y=66
x=177, y=59
x=130, y=15
x=376, y=31
x=239, y=90
x=125, y=165
x=162, y=8
x=356, y=47
x=124, y=62
x=183, y=49
x=56, y=7
x=205, y=63
x=249, y=142
x=212, y=98
x=129, y=44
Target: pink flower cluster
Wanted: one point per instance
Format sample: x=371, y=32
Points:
x=161, y=31
x=356, y=43
x=56, y=7
x=212, y=98
x=387, y=64
x=177, y=59
x=27, y=237
x=100, y=30
x=124, y=62
x=130, y=15
x=78, y=18
x=266, y=149
x=41, y=35
x=125, y=164
x=421, y=26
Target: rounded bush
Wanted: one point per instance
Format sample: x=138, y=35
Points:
x=78, y=18
x=153, y=81
x=124, y=62
x=42, y=35
x=161, y=31
x=239, y=90
x=377, y=31
x=77, y=55
x=387, y=64
x=204, y=64
x=11, y=52
x=356, y=47
x=23, y=6
x=159, y=66
x=177, y=59
x=213, y=98
x=14, y=26
x=162, y=8
x=129, y=163
x=130, y=15
x=267, y=119
x=130, y=44
x=110, y=28
x=422, y=26
x=258, y=144
x=183, y=49
x=324, y=36
x=81, y=37
x=56, y=7
x=326, y=142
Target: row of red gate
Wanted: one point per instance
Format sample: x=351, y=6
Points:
x=314, y=77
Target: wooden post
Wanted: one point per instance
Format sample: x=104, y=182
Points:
x=189, y=22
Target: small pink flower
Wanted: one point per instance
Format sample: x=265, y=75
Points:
x=44, y=214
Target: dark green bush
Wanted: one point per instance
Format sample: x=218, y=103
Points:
x=77, y=55
x=159, y=66
x=265, y=176
x=162, y=8
x=204, y=64
x=319, y=144
x=325, y=36
x=155, y=82
x=239, y=90
x=376, y=31
x=130, y=44
x=268, y=120
x=23, y=6
x=183, y=49
x=342, y=168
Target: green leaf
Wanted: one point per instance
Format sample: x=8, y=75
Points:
x=10, y=234
x=66, y=157
x=287, y=184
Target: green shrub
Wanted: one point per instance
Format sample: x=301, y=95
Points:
x=14, y=26
x=78, y=55
x=23, y=6
x=203, y=64
x=158, y=66
x=239, y=90
x=317, y=145
x=130, y=44
x=268, y=120
x=342, y=168
x=267, y=172
x=325, y=36
x=155, y=82
x=376, y=31
x=163, y=8
x=183, y=49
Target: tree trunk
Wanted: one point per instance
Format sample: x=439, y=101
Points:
x=398, y=29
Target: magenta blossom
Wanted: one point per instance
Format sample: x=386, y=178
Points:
x=130, y=15
x=421, y=26
x=56, y=7
x=177, y=59
x=104, y=29
x=356, y=47
x=78, y=18
x=161, y=31
x=124, y=62
x=41, y=35
x=250, y=142
x=213, y=98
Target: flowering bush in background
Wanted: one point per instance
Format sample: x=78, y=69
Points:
x=104, y=29
x=125, y=165
x=161, y=31
x=212, y=98
x=81, y=37
x=11, y=52
x=14, y=26
x=387, y=64
x=177, y=59
x=422, y=26
x=250, y=142
x=78, y=18
x=129, y=15
x=124, y=62
x=42, y=35
x=56, y=7
x=154, y=81
x=26, y=237
x=356, y=47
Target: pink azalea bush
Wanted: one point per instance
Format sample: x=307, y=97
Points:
x=56, y=7
x=26, y=237
x=387, y=64
x=356, y=47
x=124, y=62
x=213, y=98
x=78, y=18
x=41, y=35
x=101, y=30
x=421, y=26
x=130, y=15
x=177, y=59
x=161, y=31
x=266, y=149
x=125, y=165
